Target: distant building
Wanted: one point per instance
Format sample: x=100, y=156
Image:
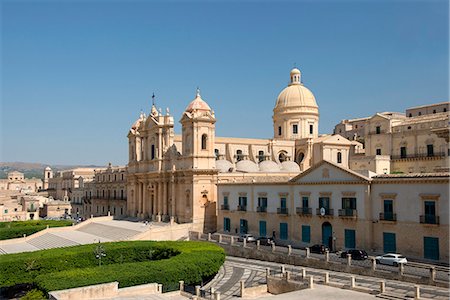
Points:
x=16, y=181
x=61, y=185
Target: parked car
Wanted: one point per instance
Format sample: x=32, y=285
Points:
x=355, y=253
x=265, y=241
x=248, y=237
x=318, y=248
x=392, y=259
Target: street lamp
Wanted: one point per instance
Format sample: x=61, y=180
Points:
x=99, y=253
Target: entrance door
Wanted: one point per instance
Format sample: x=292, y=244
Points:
x=243, y=228
x=350, y=239
x=327, y=235
x=262, y=228
x=389, y=245
x=431, y=247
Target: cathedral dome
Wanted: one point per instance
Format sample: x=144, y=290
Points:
x=269, y=166
x=295, y=95
x=290, y=166
x=198, y=104
x=224, y=166
x=246, y=166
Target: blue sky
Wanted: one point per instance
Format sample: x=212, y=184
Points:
x=75, y=74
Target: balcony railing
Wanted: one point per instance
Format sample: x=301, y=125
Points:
x=346, y=212
x=429, y=219
x=261, y=209
x=327, y=211
x=282, y=210
x=388, y=216
x=303, y=210
x=225, y=207
x=420, y=155
x=242, y=208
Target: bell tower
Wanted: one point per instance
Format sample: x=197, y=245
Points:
x=198, y=132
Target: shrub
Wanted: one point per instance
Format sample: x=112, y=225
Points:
x=16, y=229
x=34, y=294
x=130, y=263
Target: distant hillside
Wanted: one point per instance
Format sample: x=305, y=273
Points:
x=36, y=170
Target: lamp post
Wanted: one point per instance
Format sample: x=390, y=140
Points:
x=99, y=252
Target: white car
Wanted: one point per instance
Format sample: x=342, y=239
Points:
x=391, y=259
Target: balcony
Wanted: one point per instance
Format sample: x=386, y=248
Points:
x=225, y=207
x=304, y=211
x=282, y=210
x=420, y=155
x=347, y=213
x=261, y=209
x=429, y=219
x=388, y=216
x=326, y=212
x=242, y=208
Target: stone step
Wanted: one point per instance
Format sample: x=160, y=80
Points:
x=48, y=240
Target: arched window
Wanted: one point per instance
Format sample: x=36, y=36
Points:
x=152, y=152
x=339, y=157
x=204, y=138
x=282, y=156
x=239, y=155
x=301, y=157
x=216, y=153
x=260, y=155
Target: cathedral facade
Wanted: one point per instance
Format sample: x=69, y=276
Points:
x=175, y=177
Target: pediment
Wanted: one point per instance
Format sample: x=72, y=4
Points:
x=328, y=172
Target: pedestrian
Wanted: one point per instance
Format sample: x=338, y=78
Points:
x=273, y=235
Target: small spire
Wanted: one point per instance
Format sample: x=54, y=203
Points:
x=198, y=92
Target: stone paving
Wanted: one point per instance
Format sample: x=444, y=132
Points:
x=253, y=272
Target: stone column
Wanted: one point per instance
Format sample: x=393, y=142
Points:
x=217, y=295
x=160, y=288
x=267, y=272
x=283, y=269
x=352, y=282
x=432, y=274
x=289, y=250
x=382, y=286
x=374, y=264
x=242, y=288
x=144, y=198
x=181, y=285
x=311, y=282
x=307, y=252
x=197, y=290
x=165, y=198
x=416, y=292
x=160, y=198
x=258, y=243
x=401, y=268
x=349, y=259
x=327, y=278
x=220, y=238
x=288, y=275
x=172, y=197
x=303, y=273
x=327, y=255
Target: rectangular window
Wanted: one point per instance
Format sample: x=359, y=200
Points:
x=430, y=208
x=305, y=202
x=262, y=228
x=225, y=200
x=388, y=209
x=430, y=150
x=378, y=151
x=311, y=127
x=262, y=202
x=226, y=224
x=295, y=129
x=402, y=152
x=348, y=203
x=242, y=201
x=283, y=231
x=324, y=202
x=306, y=233
x=378, y=129
x=279, y=130
x=283, y=202
x=389, y=243
x=350, y=238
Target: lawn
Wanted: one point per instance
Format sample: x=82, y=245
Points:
x=16, y=229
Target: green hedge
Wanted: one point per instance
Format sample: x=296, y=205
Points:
x=130, y=263
x=16, y=229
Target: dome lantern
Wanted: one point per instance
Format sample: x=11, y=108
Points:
x=296, y=76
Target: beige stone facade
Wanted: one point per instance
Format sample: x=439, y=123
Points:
x=16, y=181
x=341, y=208
x=176, y=175
x=415, y=142
x=105, y=195
x=62, y=185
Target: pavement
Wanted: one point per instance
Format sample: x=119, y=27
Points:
x=321, y=292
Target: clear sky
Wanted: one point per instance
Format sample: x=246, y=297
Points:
x=75, y=74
